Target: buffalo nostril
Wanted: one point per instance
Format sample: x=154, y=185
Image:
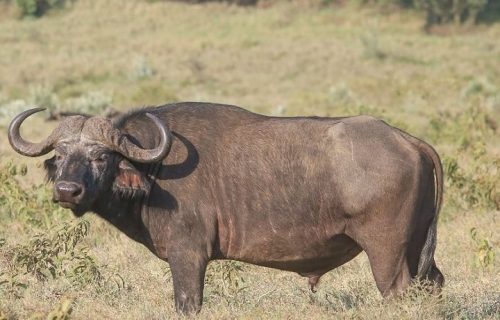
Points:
x=68, y=190
x=76, y=191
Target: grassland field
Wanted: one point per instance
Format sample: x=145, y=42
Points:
x=279, y=58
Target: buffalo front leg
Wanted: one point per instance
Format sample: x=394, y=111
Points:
x=188, y=275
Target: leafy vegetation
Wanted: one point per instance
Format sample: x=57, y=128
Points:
x=226, y=281
x=37, y=8
x=457, y=11
x=437, y=11
x=444, y=11
x=485, y=256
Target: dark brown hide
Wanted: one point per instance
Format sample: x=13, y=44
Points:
x=299, y=194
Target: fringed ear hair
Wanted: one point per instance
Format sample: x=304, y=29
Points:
x=129, y=182
x=50, y=168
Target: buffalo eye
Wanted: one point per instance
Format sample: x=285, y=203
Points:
x=59, y=157
x=101, y=158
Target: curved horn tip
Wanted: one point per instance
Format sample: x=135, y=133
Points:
x=165, y=134
x=151, y=116
x=27, y=113
x=35, y=110
x=162, y=126
x=22, y=116
x=18, y=143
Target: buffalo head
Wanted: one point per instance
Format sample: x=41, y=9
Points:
x=91, y=158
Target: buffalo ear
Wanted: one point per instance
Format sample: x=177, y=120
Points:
x=129, y=182
x=50, y=168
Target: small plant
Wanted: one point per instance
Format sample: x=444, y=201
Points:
x=9, y=109
x=48, y=256
x=479, y=86
x=37, y=8
x=44, y=97
x=341, y=96
x=371, y=47
x=141, y=70
x=446, y=11
x=59, y=254
x=31, y=205
x=94, y=102
x=484, y=254
x=226, y=279
x=463, y=128
x=478, y=186
x=11, y=285
x=62, y=311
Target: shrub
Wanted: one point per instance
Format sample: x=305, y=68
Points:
x=465, y=128
x=31, y=206
x=471, y=170
x=141, y=69
x=474, y=185
x=11, y=286
x=62, y=311
x=44, y=97
x=225, y=279
x=93, y=102
x=445, y=11
x=37, y=8
x=441, y=11
x=9, y=109
x=484, y=253
x=52, y=256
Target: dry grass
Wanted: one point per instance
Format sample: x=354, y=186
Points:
x=289, y=58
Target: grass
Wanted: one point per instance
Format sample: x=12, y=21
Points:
x=283, y=59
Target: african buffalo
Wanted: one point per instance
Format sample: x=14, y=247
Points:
x=194, y=182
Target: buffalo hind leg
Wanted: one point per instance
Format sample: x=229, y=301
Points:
x=385, y=240
x=188, y=276
x=394, y=260
x=434, y=279
x=390, y=269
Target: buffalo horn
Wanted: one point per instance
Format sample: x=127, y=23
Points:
x=135, y=153
x=24, y=147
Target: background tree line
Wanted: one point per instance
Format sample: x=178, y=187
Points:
x=437, y=11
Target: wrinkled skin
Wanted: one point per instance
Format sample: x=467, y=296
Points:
x=299, y=194
x=95, y=169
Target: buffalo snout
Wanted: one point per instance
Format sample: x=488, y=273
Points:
x=68, y=192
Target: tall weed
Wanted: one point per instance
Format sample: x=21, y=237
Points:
x=471, y=169
x=37, y=8
x=32, y=206
x=54, y=255
x=484, y=253
x=225, y=280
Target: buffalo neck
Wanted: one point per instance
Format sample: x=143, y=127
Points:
x=124, y=214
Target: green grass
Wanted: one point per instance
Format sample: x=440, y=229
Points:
x=283, y=59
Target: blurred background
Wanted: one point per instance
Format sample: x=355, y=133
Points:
x=430, y=67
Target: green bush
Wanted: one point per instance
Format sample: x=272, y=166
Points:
x=471, y=169
x=446, y=11
x=484, y=252
x=31, y=206
x=37, y=8
x=443, y=11
x=51, y=256
x=473, y=183
x=92, y=102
